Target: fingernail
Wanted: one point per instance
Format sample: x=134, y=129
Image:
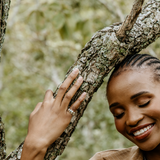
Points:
x=75, y=71
x=84, y=94
x=80, y=79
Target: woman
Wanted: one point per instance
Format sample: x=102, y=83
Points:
x=133, y=93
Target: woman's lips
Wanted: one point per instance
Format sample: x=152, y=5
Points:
x=142, y=133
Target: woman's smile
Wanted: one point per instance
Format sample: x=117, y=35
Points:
x=142, y=132
x=134, y=101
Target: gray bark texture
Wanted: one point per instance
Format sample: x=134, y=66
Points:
x=2, y=141
x=98, y=58
x=4, y=10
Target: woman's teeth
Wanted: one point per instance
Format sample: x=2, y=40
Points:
x=141, y=131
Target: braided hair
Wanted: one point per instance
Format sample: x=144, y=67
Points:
x=138, y=61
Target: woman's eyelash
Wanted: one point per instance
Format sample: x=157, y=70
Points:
x=119, y=116
x=143, y=105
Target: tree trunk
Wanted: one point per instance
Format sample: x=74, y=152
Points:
x=97, y=59
x=2, y=141
x=4, y=10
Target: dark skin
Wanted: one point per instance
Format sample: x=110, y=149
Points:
x=134, y=101
x=50, y=118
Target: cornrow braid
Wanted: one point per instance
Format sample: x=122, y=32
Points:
x=137, y=61
x=138, y=58
x=145, y=60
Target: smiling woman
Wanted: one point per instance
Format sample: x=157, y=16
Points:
x=133, y=93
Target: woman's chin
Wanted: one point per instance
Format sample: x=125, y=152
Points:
x=148, y=148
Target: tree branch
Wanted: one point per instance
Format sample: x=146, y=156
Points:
x=119, y=11
x=14, y=14
x=1, y=75
x=116, y=12
x=130, y=20
x=151, y=52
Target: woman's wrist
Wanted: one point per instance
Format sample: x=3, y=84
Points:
x=33, y=150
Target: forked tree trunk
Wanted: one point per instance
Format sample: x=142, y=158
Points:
x=97, y=59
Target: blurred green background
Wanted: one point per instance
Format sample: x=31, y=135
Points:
x=42, y=41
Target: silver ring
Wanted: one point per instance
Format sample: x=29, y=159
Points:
x=71, y=112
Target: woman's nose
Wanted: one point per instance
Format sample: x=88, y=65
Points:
x=134, y=117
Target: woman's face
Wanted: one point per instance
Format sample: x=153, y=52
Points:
x=134, y=99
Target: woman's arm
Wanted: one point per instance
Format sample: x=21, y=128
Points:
x=50, y=118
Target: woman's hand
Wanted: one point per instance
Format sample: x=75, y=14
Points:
x=50, y=118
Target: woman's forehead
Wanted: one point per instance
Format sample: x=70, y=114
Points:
x=130, y=80
x=135, y=69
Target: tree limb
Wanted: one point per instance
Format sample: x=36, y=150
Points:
x=14, y=15
x=119, y=11
x=1, y=75
x=116, y=12
x=130, y=20
x=151, y=52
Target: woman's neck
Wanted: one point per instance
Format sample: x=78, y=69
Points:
x=153, y=155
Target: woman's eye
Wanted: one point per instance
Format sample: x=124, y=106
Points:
x=119, y=115
x=145, y=104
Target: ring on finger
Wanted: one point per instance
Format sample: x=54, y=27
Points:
x=71, y=112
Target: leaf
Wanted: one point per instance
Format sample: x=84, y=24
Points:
x=58, y=21
x=65, y=32
x=36, y=20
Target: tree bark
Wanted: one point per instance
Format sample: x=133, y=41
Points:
x=130, y=20
x=4, y=11
x=2, y=141
x=98, y=58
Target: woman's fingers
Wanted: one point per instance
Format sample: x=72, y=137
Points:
x=38, y=106
x=48, y=99
x=71, y=92
x=77, y=103
x=63, y=88
x=48, y=95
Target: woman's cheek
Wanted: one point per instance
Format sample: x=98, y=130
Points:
x=119, y=125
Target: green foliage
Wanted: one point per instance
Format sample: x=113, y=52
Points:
x=44, y=37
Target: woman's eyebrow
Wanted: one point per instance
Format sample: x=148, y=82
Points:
x=132, y=97
x=113, y=105
x=138, y=94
